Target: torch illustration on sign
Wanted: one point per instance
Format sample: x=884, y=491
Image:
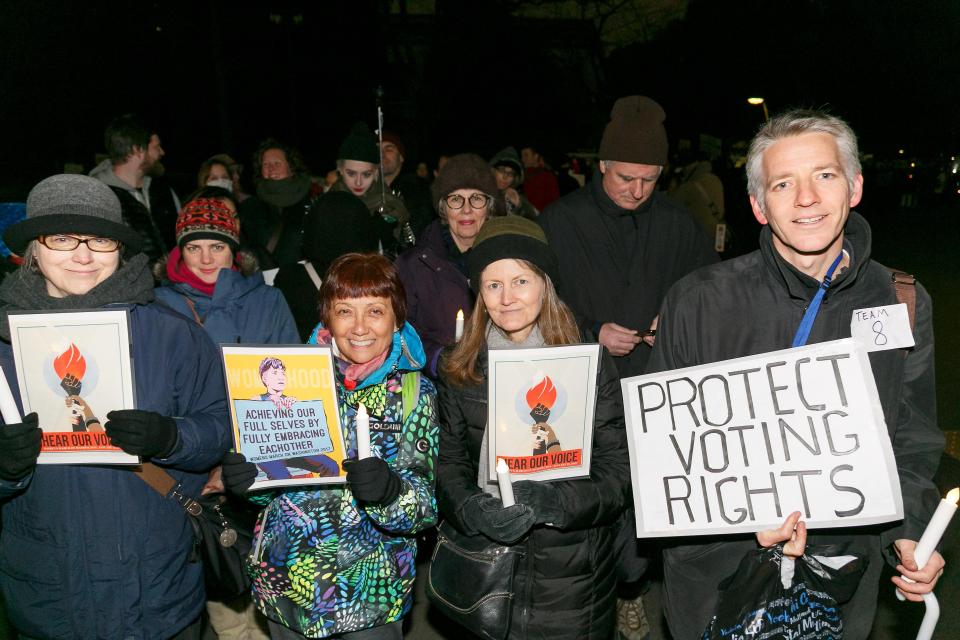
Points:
x=70, y=366
x=540, y=399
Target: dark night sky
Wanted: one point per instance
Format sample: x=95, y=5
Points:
x=217, y=77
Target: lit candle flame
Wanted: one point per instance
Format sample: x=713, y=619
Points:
x=954, y=495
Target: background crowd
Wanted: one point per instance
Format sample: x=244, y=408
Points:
x=376, y=261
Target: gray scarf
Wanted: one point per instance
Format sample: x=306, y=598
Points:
x=496, y=340
x=284, y=193
x=24, y=290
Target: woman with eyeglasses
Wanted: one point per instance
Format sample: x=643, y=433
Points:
x=93, y=551
x=434, y=272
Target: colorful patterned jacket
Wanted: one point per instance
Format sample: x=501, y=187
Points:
x=323, y=565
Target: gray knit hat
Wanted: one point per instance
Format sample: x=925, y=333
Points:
x=71, y=204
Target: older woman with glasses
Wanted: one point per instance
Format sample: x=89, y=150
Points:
x=434, y=272
x=94, y=551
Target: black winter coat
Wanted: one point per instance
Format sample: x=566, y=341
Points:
x=616, y=265
x=565, y=584
x=261, y=221
x=753, y=305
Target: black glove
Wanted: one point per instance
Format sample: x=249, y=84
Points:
x=238, y=474
x=482, y=513
x=372, y=480
x=142, y=433
x=543, y=498
x=19, y=448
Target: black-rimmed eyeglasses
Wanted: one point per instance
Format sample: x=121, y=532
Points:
x=69, y=243
x=477, y=200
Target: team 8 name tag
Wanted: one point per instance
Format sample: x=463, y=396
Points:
x=882, y=328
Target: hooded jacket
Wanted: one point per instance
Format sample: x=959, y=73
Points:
x=616, y=265
x=323, y=564
x=243, y=309
x=565, y=583
x=755, y=304
x=436, y=289
x=92, y=551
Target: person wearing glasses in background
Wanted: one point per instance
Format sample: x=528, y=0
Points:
x=434, y=272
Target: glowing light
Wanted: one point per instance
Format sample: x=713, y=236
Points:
x=755, y=101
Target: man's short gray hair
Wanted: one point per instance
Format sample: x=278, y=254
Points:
x=795, y=123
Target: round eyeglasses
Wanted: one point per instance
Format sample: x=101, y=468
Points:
x=477, y=200
x=69, y=243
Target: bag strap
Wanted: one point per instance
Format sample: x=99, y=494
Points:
x=193, y=309
x=274, y=238
x=905, y=287
x=410, y=392
x=312, y=272
x=164, y=484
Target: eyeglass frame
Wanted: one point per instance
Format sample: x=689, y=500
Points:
x=487, y=198
x=42, y=238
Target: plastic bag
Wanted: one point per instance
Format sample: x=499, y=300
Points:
x=771, y=596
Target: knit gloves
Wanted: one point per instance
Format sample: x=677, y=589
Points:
x=19, y=448
x=238, y=474
x=142, y=433
x=543, y=498
x=482, y=513
x=371, y=480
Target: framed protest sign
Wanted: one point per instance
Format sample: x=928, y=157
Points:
x=540, y=410
x=736, y=446
x=283, y=408
x=74, y=367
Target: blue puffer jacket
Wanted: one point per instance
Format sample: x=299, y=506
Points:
x=92, y=551
x=243, y=309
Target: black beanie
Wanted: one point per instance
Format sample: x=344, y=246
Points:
x=511, y=238
x=360, y=145
x=635, y=132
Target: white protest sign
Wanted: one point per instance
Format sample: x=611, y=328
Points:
x=882, y=328
x=736, y=446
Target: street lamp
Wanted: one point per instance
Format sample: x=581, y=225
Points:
x=760, y=101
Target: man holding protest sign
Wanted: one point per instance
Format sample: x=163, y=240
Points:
x=811, y=281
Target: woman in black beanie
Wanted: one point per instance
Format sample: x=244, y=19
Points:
x=565, y=582
x=358, y=166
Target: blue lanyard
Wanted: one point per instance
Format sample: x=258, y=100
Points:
x=803, y=331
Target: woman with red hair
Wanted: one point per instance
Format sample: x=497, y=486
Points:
x=338, y=560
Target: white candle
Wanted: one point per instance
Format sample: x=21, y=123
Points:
x=363, y=433
x=922, y=552
x=506, y=488
x=934, y=531
x=8, y=407
x=458, y=332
